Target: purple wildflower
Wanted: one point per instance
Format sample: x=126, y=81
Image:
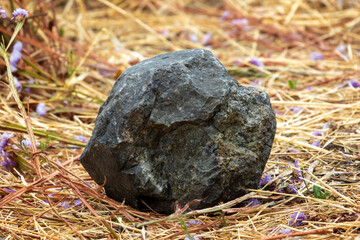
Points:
x=66, y=103
x=3, y=13
x=315, y=56
x=290, y=188
x=78, y=202
x=8, y=190
x=206, y=39
x=14, y=59
x=40, y=109
x=293, y=150
x=28, y=89
x=193, y=237
x=4, y=139
x=81, y=138
x=243, y=23
x=354, y=83
x=193, y=222
x=7, y=163
x=254, y=82
x=341, y=49
x=18, y=46
x=265, y=180
x=257, y=82
x=193, y=38
x=19, y=14
x=316, y=133
x=15, y=56
x=287, y=188
x=165, y=32
x=297, y=173
x=257, y=62
x=225, y=15
x=17, y=84
x=14, y=146
x=316, y=143
x=297, y=219
x=296, y=109
x=4, y=154
x=253, y=202
x=65, y=205
x=26, y=143
x=310, y=88
x=278, y=113
x=284, y=231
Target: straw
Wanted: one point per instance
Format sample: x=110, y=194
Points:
x=73, y=52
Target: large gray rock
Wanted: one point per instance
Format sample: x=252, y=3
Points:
x=177, y=127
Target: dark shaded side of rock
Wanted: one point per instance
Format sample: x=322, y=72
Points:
x=177, y=127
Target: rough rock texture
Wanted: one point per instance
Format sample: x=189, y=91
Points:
x=178, y=127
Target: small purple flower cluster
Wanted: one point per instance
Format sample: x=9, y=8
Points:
x=2, y=13
x=297, y=176
x=253, y=202
x=15, y=56
x=293, y=150
x=317, y=133
x=257, y=62
x=310, y=88
x=8, y=190
x=354, y=83
x=78, y=202
x=165, y=32
x=81, y=138
x=278, y=113
x=193, y=222
x=265, y=180
x=40, y=109
x=315, y=56
x=24, y=143
x=193, y=37
x=278, y=184
x=18, y=15
x=7, y=163
x=64, y=204
x=28, y=89
x=284, y=231
x=287, y=188
x=342, y=49
x=18, y=85
x=207, y=39
x=239, y=23
x=225, y=15
x=297, y=219
x=296, y=110
x=316, y=143
x=242, y=22
x=67, y=205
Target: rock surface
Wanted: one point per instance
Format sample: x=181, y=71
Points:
x=177, y=127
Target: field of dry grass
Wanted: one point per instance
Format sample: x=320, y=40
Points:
x=303, y=53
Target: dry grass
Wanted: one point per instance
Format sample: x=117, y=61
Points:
x=106, y=37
